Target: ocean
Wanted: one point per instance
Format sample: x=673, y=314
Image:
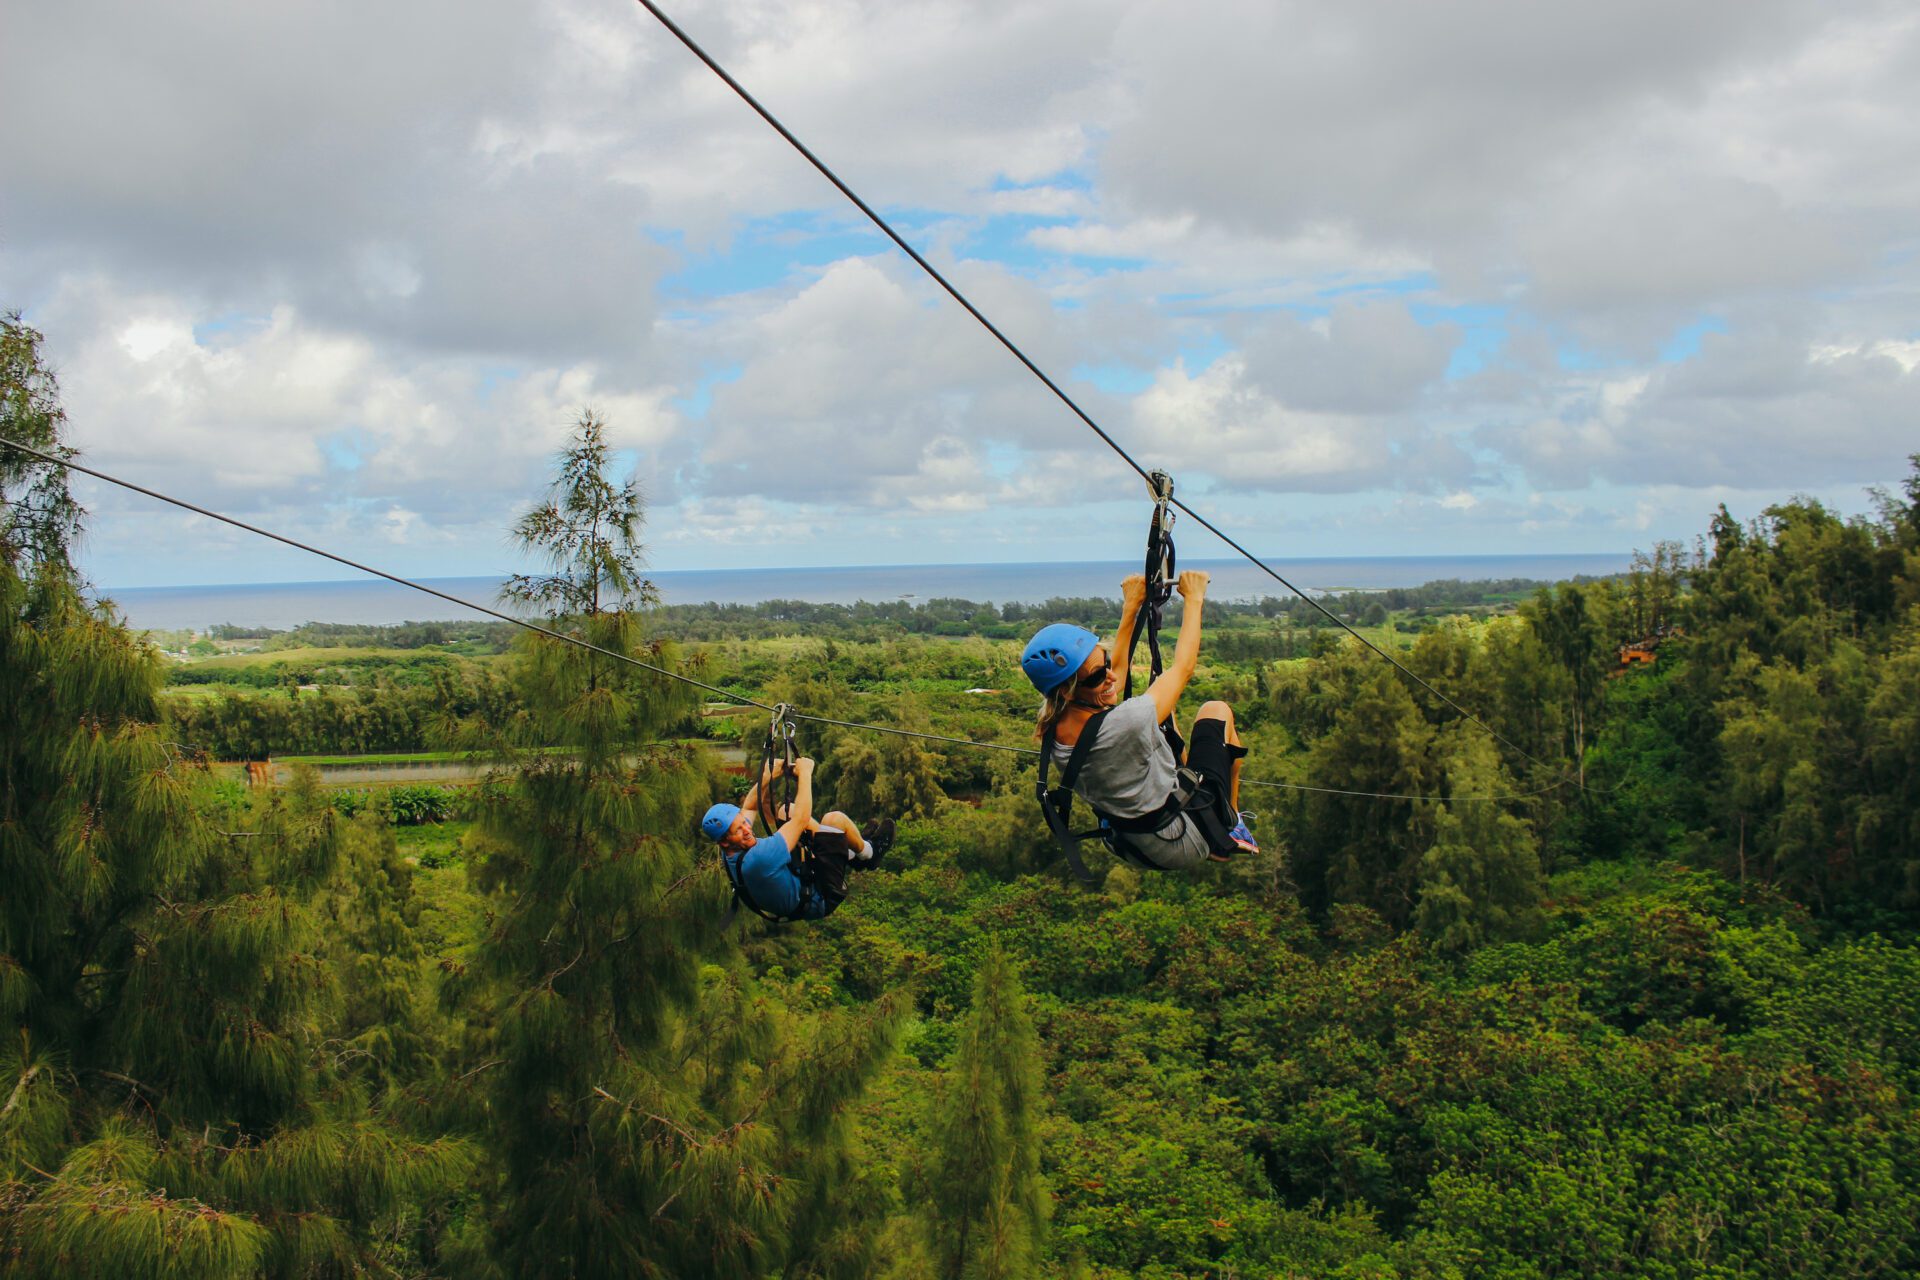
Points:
x=372, y=601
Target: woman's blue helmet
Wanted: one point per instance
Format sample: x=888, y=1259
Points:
x=1056, y=653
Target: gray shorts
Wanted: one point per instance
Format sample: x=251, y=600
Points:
x=1181, y=846
x=1178, y=846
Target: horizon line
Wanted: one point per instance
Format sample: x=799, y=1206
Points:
x=846, y=568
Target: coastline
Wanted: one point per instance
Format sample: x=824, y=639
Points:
x=369, y=601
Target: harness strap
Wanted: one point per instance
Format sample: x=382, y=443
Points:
x=798, y=862
x=1082, y=746
x=1161, y=573
x=1056, y=803
x=773, y=812
x=776, y=809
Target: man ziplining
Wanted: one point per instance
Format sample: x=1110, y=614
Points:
x=799, y=872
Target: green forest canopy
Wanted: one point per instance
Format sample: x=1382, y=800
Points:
x=1662, y=1024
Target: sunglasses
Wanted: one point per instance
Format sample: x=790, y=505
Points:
x=1097, y=676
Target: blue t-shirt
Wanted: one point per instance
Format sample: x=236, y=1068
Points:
x=764, y=874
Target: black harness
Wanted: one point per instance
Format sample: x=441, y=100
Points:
x=1187, y=800
x=799, y=862
x=772, y=812
x=1161, y=575
x=1057, y=802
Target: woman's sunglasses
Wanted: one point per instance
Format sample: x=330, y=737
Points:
x=1096, y=676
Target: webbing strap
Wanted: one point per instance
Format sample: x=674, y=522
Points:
x=1161, y=572
x=1057, y=803
x=1077, y=759
x=798, y=861
x=776, y=809
x=740, y=895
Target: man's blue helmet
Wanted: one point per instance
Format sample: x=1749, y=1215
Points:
x=718, y=819
x=1055, y=654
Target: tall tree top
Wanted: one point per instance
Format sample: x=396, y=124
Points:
x=39, y=519
x=588, y=532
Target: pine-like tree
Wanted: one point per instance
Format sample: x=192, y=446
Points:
x=655, y=1112
x=38, y=516
x=1364, y=848
x=1480, y=879
x=168, y=1102
x=1570, y=622
x=989, y=1203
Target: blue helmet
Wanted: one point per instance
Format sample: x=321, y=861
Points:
x=718, y=819
x=1055, y=654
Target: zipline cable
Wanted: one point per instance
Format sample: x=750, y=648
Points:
x=1388, y=795
x=1337, y=620
x=886, y=228
x=910, y=733
x=741, y=698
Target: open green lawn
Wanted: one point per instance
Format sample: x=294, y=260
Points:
x=395, y=757
x=430, y=757
x=312, y=656
x=196, y=692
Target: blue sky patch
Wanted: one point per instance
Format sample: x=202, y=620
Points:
x=1685, y=342
x=231, y=327
x=763, y=252
x=1484, y=328
x=697, y=402
x=347, y=450
x=1114, y=379
x=495, y=376
x=1199, y=352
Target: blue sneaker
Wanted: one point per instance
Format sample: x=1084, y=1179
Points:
x=1242, y=836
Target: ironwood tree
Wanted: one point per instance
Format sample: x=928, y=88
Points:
x=171, y=1101
x=989, y=1201
x=653, y=1109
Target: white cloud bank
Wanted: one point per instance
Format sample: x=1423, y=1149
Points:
x=359, y=266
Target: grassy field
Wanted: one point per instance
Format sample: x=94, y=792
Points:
x=309, y=656
x=198, y=692
x=437, y=757
x=396, y=757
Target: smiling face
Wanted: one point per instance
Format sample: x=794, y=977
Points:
x=739, y=837
x=1097, y=681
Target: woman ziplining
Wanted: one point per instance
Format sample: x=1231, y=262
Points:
x=1160, y=809
x=1162, y=804
x=799, y=870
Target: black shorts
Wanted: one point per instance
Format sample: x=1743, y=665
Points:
x=828, y=846
x=1209, y=756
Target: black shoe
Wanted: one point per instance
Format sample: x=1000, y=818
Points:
x=877, y=845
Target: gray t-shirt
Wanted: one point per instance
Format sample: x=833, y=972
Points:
x=1131, y=771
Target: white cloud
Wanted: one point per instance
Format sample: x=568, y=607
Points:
x=1904, y=354
x=1748, y=415
x=1252, y=440
x=328, y=263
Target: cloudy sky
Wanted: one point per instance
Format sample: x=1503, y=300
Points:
x=1369, y=278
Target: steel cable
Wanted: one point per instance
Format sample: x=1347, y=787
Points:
x=886, y=228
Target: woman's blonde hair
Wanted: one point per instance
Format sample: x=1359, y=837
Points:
x=1054, y=707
